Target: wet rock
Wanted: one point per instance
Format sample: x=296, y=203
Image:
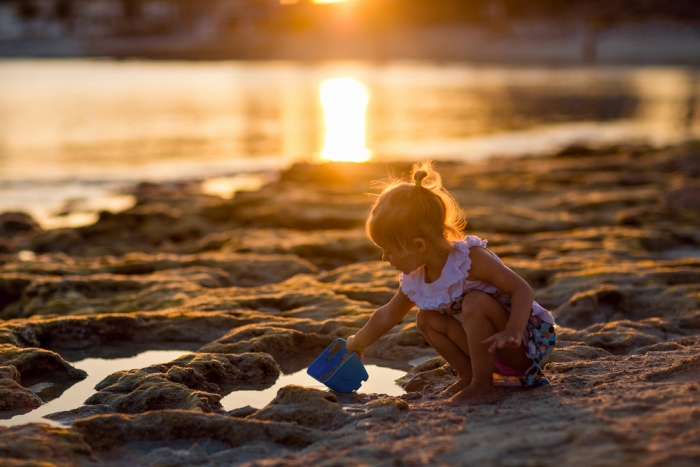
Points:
x=155, y=393
x=229, y=371
x=13, y=396
x=99, y=294
x=685, y=198
x=39, y=363
x=680, y=343
x=17, y=223
x=571, y=352
x=403, y=344
x=375, y=273
x=327, y=249
x=290, y=206
x=43, y=445
x=11, y=373
x=11, y=288
x=144, y=283
x=306, y=407
x=276, y=341
x=192, y=382
x=430, y=374
x=619, y=337
x=63, y=240
x=622, y=280
x=242, y=412
x=68, y=417
x=591, y=307
x=84, y=332
x=109, y=432
x=387, y=409
x=200, y=453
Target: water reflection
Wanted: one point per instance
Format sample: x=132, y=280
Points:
x=69, y=129
x=97, y=370
x=167, y=120
x=668, y=101
x=344, y=102
x=381, y=381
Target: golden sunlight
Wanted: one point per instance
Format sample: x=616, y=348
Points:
x=344, y=101
x=292, y=2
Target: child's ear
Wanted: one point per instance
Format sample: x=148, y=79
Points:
x=420, y=244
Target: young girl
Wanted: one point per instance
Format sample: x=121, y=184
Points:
x=478, y=314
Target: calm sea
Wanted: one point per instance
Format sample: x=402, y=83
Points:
x=73, y=133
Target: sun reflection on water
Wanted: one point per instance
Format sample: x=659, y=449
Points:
x=344, y=101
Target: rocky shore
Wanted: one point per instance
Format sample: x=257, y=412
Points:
x=608, y=238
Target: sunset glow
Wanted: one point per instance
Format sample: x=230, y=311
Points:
x=318, y=2
x=344, y=102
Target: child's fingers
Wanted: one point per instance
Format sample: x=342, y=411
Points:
x=490, y=339
x=499, y=341
x=493, y=341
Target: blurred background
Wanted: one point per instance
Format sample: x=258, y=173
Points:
x=96, y=95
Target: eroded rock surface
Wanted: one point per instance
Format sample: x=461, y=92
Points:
x=33, y=362
x=192, y=382
x=305, y=407
x=608, y=238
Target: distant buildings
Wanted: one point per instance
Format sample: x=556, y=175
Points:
x=47, y=19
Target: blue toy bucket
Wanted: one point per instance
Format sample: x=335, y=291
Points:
x=337, y=369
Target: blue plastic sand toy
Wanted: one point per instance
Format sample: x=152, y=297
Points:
x=337, y=369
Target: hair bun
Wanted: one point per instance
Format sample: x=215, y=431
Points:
x=419, y=176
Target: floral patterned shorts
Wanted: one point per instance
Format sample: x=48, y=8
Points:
x=541, y=339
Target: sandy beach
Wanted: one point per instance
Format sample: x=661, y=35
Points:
x=255, y=286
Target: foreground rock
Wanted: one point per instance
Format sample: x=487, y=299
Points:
x=39, y=363
x=305, y=407
x=12, y=395
x=192, y=382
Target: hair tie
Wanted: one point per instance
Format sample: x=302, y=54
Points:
x=418, y=177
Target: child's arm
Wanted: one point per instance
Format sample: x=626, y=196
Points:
x=380, y=323
x=488, y=269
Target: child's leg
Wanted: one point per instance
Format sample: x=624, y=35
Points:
x=446, y=335
x=484, y=316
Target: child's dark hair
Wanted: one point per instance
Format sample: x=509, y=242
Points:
x=406, y=210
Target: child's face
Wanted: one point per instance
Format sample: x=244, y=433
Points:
x=405, y=263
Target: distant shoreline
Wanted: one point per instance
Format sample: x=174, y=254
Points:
x=522, y=44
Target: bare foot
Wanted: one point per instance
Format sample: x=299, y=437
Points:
x=474, y=394
x=455, y=387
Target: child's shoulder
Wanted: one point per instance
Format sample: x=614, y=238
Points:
x=469, y=242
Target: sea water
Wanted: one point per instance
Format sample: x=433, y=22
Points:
x=75, y=135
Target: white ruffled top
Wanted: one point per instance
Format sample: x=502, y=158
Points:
x=453, y=282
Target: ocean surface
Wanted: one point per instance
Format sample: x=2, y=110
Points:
x=76, y=134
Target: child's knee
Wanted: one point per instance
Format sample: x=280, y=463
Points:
x=423, y=319
x=475, y=304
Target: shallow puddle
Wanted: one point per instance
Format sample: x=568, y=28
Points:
x=97, y=370
x=380, y=381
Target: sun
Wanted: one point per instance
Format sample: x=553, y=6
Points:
x=344, y=102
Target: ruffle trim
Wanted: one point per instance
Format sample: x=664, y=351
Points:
x=442, y=292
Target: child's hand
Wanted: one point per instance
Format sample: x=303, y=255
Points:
x=351, y=346
x=502, y=339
